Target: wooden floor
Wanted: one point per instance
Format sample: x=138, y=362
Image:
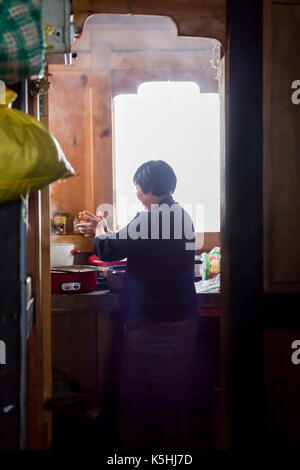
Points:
x=88, y=430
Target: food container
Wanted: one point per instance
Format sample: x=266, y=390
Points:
x=60, y=222
x=197, y=268
x=211, y=263
x=62, y=254
x=74, y=279
x=115, y=278
x=76, y=221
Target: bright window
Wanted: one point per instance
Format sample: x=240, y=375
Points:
x=170, y=121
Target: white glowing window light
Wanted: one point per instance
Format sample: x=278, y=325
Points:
x=170, y=121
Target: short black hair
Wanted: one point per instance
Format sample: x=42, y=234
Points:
x=155, y=176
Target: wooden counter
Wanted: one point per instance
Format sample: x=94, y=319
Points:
x=95, y=301
x=87, y=331
x=106, y=301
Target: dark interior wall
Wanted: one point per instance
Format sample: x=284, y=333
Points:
x=13, y=314
x=243, y=223
x=13, y=326
x=264, y=384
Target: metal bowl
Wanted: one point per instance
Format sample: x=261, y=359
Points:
x=115, y=278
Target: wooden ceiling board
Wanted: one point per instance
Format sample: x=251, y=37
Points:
x=205, y=18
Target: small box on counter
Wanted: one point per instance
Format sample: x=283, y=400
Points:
x=60, y=222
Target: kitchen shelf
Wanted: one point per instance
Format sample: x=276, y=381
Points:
x=81, y=243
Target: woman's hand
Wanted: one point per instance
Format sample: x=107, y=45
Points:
x=91, y=225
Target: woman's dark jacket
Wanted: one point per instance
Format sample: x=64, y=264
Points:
x=159, y=282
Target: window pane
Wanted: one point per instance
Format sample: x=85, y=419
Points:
x=170, y=121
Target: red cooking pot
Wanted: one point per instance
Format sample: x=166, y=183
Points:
x=73, y=279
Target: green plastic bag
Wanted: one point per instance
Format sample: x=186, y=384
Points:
x=211, y=263
x=30, y=158
x=22, y=46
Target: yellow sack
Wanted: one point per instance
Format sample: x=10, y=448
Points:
x=30, y=158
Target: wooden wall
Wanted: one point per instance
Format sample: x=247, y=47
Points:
x=260, y=225
x=281, y=148
x=282, y=385
x=248, y=309
x=114, y=56
x=39, y=364
x=281, y=197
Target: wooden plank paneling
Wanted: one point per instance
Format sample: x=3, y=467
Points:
x=44, y=300
x=281, y=149
x=102, y=126
x=69, y=122
x=109, y=344
x=39, y=371
x=282, y=385
x=74, y=348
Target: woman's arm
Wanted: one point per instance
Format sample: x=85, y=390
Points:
x=114, y=246
x=108, y=245
x=90, y=223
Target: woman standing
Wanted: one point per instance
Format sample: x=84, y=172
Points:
x=159, y=308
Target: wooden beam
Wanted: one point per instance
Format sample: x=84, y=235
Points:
x=198, y=18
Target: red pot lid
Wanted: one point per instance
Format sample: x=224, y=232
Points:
x=93, y=259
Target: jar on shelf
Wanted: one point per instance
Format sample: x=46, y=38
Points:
x=60, y=222
x=76, y=221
